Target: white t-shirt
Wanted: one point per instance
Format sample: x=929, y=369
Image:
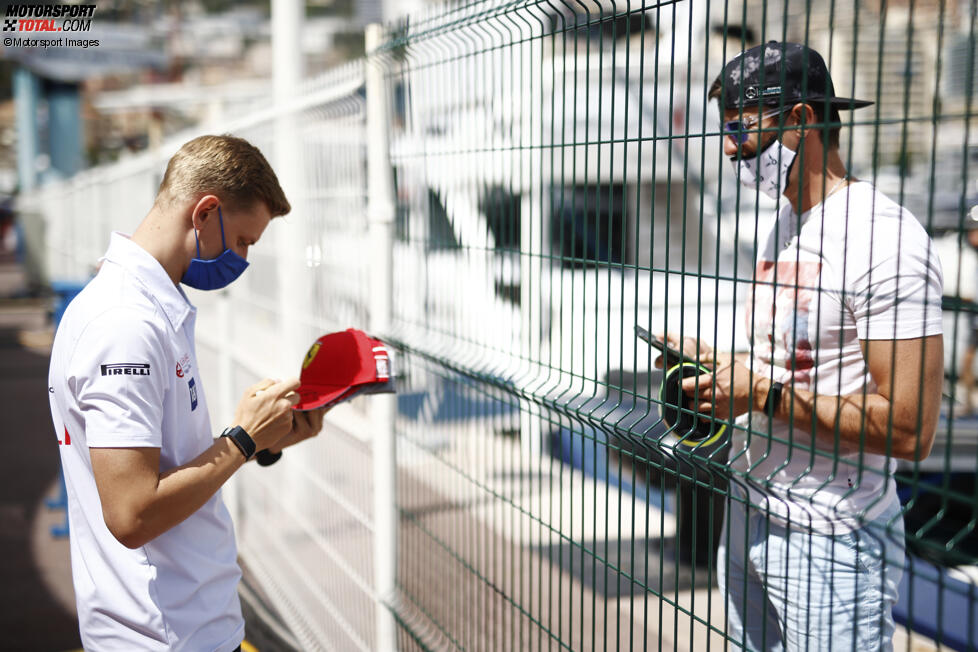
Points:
x=857, y=267
x=124, y=374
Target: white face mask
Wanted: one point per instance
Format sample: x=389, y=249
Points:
x=768, y=171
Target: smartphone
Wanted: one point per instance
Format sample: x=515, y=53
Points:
x=673, y=356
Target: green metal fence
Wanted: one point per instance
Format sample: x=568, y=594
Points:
x=560, y=179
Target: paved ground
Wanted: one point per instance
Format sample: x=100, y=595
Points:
x=36, y=599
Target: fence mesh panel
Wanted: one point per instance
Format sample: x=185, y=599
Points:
x=560, y=179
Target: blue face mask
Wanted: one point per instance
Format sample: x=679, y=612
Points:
x=216, y=273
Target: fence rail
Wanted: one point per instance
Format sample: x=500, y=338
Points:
x=557, y=179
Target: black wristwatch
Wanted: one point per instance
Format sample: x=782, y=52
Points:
x=773, y=398
x=242, y=440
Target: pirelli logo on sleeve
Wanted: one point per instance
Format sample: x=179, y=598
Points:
x=125, y=369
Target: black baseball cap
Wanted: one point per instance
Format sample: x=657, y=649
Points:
x=780, y=74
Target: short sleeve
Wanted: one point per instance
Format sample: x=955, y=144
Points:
x=896, y=293
x=116, y=372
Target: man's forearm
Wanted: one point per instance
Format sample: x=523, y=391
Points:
x=178, y=493
x=857, y=422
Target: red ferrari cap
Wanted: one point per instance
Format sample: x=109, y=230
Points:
x=338, y=363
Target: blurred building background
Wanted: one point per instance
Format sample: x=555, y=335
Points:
x=159, y=68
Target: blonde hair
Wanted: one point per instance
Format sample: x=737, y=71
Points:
x=227, y=166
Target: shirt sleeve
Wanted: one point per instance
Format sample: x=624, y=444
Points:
x=896, y=289
x=117, y=373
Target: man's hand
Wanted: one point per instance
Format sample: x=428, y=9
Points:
x=304, y=426
x=689, y=346
x=730, y=388
x=265, y=410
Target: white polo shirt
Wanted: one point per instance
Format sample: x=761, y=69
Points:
x=124, y=374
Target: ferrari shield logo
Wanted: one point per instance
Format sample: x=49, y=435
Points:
x=310, y=355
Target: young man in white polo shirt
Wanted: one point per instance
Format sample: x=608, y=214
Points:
x=153, y=554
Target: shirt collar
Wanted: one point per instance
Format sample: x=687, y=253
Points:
x=150, y=273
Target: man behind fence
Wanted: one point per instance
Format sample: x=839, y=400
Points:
x=843, y=376
x=153, y=554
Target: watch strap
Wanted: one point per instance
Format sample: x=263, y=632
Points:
x=242, y=440
x=265, y=457
x=773, y=398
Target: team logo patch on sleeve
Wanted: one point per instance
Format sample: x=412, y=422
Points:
x=125, y=369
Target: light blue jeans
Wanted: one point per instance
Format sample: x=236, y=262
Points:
x=793, y=590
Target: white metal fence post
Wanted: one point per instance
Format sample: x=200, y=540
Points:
x=287, y=71
x=380, y=213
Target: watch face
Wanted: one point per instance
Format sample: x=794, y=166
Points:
x=241, y=439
